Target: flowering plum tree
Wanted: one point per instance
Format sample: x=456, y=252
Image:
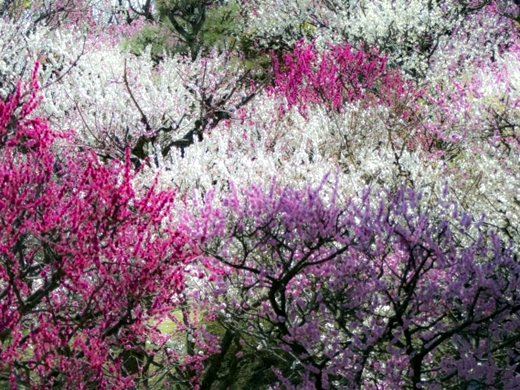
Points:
x=116, y=100
x=336, y=77
x=376, y=293
x=53, y=14
x=88, y=268
x=410, y=31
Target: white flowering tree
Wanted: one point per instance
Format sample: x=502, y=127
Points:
x=411, y=31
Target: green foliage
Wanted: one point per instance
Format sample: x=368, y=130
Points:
x=154, y=37
x=190, y=28
x=222, y=27
x=14, y=8
x=255, y=57
x=222, y=31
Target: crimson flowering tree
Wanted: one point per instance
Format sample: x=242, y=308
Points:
x=88, y=268
x=376, y=293
x=335, y=77
x=343, y=81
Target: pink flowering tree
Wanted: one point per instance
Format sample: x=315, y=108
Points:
x=88, y=266
x=376, y=293
x=336, y=77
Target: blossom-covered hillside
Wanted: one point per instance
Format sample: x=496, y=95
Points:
x=307, y=194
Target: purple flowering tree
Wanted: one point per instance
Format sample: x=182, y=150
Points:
x=375, y=293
